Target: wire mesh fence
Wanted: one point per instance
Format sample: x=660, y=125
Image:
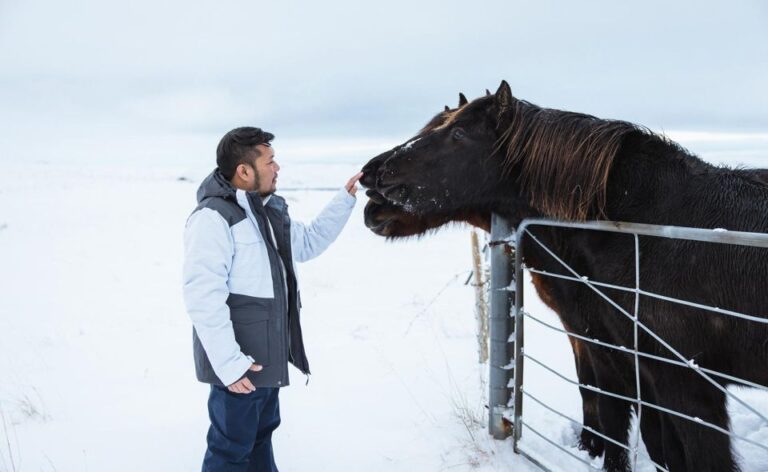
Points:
x=507, y=285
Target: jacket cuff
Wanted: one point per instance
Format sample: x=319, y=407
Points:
x=345, y=197
x=235, y=371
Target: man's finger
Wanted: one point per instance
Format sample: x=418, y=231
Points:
x=355, y=178
x=255, y=367
x=237, y=387
x=248, y=385
x=351, y=183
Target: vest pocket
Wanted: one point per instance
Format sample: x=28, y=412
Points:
x=252, y=333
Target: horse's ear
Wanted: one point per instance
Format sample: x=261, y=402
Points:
x=447, y=108
x=504, y=95
x=487, y=92
x=462, y=100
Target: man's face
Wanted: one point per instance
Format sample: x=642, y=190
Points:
x=265, y=179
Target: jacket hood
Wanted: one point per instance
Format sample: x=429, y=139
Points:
x=215, y=185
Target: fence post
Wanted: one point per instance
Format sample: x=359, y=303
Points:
x=500, y=329
x=481, y=303
x=518, y=345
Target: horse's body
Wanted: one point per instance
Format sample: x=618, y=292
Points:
x=727, y=277
x=499, y=154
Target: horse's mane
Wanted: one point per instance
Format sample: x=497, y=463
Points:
x=564, y=158
x=437, y=120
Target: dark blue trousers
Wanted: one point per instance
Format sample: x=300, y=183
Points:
x=240, y=436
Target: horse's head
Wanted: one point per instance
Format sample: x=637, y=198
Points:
x=449, y=171
x=495, y=154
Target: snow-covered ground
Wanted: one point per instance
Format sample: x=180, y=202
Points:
x=95, y=345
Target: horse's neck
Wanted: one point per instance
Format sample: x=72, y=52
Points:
x=663, y=185
x=644, y=186
x=651, y=183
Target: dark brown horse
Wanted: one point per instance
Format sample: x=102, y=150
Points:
x=390, y=220
x=504, y=155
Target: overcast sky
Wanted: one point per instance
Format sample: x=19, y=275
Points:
x=349, y=69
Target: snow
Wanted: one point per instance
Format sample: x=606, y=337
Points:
x=96, y=346
x=95, y=352
x=410, y=144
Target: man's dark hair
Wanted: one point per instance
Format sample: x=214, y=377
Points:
x=239, y=147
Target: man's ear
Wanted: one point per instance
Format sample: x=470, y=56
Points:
x=242, y=171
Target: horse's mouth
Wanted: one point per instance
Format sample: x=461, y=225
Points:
x=374, y=222
x=381, y=214
x=375, y=197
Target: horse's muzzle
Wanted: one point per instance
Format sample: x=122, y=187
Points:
x=371, y=169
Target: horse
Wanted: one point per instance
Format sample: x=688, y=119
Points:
x=500, y=154
x=389, y=220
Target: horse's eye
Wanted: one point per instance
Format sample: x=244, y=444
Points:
x=458, y=133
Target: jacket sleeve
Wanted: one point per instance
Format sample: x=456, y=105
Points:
x=208, y=251
x=309, y=241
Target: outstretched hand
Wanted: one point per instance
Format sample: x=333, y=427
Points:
x=244, y=385
x=351, y=186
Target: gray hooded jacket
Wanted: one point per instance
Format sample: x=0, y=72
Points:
x=240, y=285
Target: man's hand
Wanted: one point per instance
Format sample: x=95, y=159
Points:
x=351, y=185
x=244, y=385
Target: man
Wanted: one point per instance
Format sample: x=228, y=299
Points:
x=242, y=295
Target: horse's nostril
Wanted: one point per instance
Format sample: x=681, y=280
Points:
x=368, y=179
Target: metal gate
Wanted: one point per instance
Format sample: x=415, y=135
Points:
x=508, y=357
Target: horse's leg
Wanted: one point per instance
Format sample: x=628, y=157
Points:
x=674, y=451
x=652, y=432
x=659, y=436
x=704, y=448
x=662, y=441
x=614, y=413
x=588, y=441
